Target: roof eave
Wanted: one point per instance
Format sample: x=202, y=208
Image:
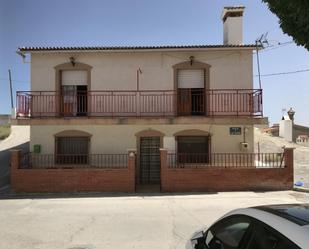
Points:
x=60, y=50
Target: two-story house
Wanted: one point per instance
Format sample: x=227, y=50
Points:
x=90, y=106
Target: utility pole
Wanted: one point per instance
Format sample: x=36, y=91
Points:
x=10, y=79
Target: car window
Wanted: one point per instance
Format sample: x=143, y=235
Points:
x=263, y=237
x=228, y=233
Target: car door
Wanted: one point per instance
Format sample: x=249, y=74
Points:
x=265, y=237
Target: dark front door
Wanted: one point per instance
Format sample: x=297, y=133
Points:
x=150, y=160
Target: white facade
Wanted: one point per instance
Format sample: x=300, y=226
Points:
x=119, y=138
x=230, y=68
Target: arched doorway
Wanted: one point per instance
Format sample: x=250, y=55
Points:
x=148, y=169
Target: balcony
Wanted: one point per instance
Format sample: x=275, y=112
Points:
x=166, y=103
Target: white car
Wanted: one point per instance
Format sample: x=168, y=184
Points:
x=283, y=226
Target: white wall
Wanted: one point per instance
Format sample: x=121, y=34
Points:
x=117, y=70
x=232, y=30
x=286, y=130
x=117, y=139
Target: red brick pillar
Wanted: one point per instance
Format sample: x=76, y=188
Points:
x=15, y=161
x=131, y=168
x=164, y=165
x=289, y=164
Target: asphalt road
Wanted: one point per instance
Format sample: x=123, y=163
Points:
x=139, y=221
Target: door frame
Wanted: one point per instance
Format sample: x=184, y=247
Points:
x=192, y=64
x=139, y=135
x=58, y=82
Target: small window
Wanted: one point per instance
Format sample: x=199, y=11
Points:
x=193, y=149
x=72, y=150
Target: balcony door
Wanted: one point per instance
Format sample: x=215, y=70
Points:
x=74, y=93
x=191, y=92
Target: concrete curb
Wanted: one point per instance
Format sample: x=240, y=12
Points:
x=301, y=189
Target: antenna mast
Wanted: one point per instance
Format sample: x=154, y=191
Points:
x=260, y=42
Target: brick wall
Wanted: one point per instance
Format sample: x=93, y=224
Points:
x=72, y=180
x=226, y=179
x=172, y=179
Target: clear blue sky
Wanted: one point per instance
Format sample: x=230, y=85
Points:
x=143, y=22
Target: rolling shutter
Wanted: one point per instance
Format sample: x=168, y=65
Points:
x=188, y=78
x=74, y=77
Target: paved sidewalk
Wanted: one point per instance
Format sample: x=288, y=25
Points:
x=140, y=221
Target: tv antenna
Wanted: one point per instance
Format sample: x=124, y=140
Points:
x=260, y=43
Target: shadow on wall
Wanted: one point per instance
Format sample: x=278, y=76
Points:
x=5, y=163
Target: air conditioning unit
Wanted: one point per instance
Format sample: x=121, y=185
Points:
x=244, y=146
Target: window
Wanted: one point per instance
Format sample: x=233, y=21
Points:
x=264, y=237
x=72, y=150
x=193, y=149
x=228, y=233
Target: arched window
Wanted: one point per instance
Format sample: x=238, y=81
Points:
x=72, y=147
x=193, y=146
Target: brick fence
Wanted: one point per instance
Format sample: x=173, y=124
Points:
x=216, y=178
x=185, y=179
x=72, y=180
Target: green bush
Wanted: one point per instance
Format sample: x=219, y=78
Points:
x=5, y=131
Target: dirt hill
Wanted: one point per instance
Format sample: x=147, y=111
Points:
x=270, y=143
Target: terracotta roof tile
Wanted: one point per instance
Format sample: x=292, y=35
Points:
x=88, y=48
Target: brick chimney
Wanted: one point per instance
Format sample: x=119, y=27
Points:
x=232, y=25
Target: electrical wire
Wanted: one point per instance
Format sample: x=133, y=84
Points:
x=280, y=45
x=284, y=73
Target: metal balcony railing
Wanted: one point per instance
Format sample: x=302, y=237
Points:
x=225, y=160
x=54, y=161
x=213, y=102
